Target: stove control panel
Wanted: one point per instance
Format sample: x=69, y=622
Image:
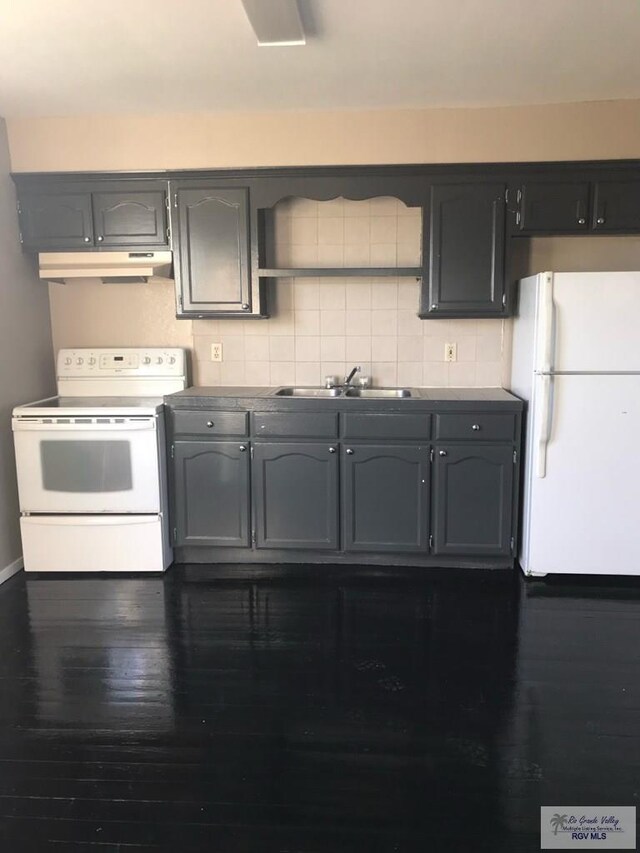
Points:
x=125, y=362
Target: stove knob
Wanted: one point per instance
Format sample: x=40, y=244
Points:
x=68, y=360
x=80, y=361
x=92, y=361
x=172, y=359
x=146, y=360
x=158, y=361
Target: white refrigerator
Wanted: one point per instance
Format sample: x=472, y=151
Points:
x=576, y=361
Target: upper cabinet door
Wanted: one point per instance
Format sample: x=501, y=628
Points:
x=552, y=208
x=130, y=218
x=464, y=242
x=54, y=220
x=617, y=206
x=212, y=270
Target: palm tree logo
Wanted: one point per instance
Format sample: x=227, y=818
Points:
x=557, y=822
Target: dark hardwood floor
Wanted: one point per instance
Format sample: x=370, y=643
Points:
x=316, y=711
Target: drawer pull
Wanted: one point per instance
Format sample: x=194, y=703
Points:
x=475, y=427
x=210, y=424
x=332, y=450
x=242, y=448
x=442, y=453
x=349, y=451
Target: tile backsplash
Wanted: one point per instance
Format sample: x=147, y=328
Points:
x=323, y=326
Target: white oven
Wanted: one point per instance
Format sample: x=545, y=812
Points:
x=88, y=464
x=91, y=463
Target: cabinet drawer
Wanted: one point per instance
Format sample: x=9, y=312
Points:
x=210, y=423
x=482, y=427
x=312, y=425
x=386, y=426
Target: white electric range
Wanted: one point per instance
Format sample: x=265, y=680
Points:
x=92, y=478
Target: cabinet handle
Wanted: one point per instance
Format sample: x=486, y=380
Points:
x=581, y=220
x=442, y=453
x=242, y=448
x=600, y=220
x=87, y=239
x=210, y=424
x=245, y=306
x=434, y=307
x=475, y=427
x=332, y=450
x=349, y=451
x=100, y=239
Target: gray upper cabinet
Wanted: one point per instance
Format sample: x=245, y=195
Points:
x=130, y=218
x=464, y=251
x=473, y=499
x=52, y=220
x=385, y=500
x=213, y=275
x=616, y=206
x=295, y=495
x=552, y=207
x=119, y=215
x=211, y=493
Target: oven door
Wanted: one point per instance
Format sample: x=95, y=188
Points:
x=87, y=465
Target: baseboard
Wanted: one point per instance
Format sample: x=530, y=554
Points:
x=11, y=569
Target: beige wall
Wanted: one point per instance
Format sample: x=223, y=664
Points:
x=606, y=129
x=93, y=314
x=26, y=363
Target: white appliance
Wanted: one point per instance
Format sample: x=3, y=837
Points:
x=108, y=266
x=576, y=361
x=91, y=465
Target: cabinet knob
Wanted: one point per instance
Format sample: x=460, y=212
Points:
x=434, y=307
x=242, y=448
x=442, y=453
x=210, y=424
x=475, y=427
x=100, y=239
x=245, y=306
x=600, y=220
x=349, y=451
x=87, y=239
x=332, y=450
x=581, y=220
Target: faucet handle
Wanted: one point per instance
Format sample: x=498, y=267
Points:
x=330, y=382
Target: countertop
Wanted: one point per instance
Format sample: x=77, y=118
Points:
x=265, y=398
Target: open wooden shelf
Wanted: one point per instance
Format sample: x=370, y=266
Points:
x=343, y=272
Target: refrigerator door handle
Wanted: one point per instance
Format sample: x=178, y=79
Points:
x=544, y=428
x=548, y=309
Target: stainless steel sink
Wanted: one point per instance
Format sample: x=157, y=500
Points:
x=380, y=393
x=308, y=392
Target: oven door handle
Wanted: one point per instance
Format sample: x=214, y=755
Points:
x=36, y=425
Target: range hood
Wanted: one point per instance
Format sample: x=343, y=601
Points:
x=115, y=267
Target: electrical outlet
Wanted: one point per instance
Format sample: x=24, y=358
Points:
x=216, y=352
x=450, y=352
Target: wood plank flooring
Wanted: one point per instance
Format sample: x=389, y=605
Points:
x=317, y=711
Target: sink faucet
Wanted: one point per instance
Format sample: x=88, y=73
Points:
x=347, y=379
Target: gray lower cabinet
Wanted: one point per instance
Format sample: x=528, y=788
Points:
x=385, y=497
x=473, y=499
x=211, y=504
x=295, y=495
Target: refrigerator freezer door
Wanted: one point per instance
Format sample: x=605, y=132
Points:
x=594, y=322
x=582, y=517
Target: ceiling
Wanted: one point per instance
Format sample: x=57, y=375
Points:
x=72, y=57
